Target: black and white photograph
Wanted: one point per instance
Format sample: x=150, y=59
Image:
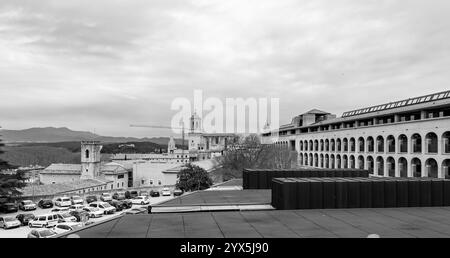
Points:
x=181, y=120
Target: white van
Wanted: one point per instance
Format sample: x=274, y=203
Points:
x=63, y=201
x=44, y=221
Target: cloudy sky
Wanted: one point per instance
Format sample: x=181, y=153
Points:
x=103, y=64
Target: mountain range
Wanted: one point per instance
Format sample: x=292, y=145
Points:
x=64, y=134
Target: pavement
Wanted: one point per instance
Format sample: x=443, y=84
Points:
x=349, y=223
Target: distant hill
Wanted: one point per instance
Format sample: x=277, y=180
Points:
x=64, y=134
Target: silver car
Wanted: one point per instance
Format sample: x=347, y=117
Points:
x=9, y=222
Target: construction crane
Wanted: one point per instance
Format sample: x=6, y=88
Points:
x=166, y=127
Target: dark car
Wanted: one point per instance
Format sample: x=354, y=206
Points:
x=178, y=192
x=127, y=204
x=131, y=194
x=81, y=215
x=119, y=196
x=117, y=204
x=24, y=218
x=8, y=208
x=154, y=193
x=91, y=198
x=45, y=204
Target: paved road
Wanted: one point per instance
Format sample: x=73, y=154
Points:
x=22, y=232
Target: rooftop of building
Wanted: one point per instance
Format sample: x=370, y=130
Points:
x=355, y=223
x=74, y=169
x=435, y=100
x=61, y=188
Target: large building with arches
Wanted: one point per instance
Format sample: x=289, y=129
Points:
x=406, y=138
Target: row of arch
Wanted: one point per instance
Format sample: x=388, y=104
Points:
x=400, y=144
x=378, y=165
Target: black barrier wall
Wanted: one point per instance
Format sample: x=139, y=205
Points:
x=359, y=192
x=262, y=178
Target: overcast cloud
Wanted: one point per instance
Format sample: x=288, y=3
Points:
x=102, y=64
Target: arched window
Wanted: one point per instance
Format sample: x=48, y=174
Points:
x=403, y=143
x=87, y=154
x=416, y=167
x=391, y=144
x=432, y=168
x=370, y=144
x=390, y=163
x=446, y=142
x=380, y=166
x=432, y=143
x=370, y=164
x=380, y=144
x=403, y=167
x=416, y=141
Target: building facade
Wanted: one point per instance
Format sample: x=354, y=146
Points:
x=110, y=175
x=407, y=138
x=203, y=146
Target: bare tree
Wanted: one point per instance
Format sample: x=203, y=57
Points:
x=248, y=152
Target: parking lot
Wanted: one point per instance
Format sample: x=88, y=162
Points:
x=23, y=231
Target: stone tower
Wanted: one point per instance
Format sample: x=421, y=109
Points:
x=195, y=123
x=171, y=147
x=195, y=133
x=90, y=159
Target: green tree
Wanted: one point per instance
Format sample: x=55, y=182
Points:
x=193, y=178
x=10, y=183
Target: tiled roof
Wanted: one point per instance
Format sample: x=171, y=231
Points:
x=55, y=189
x=113, y=168
x=63, y=169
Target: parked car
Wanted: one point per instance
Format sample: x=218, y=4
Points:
x=106, y=197
x=166, y=192
x=66, y=227
x=60, y=209
x=66, y=217
x=44, y=221
x=25, y=218
x=178, y=192
x=127, y=204
x=9, y=222
x=77, y=200
x=76, y=207
x=119, y=196
x=80, y=215
x=131, y=194
x=143, y=193
x=93, y=212
x=43, y=233
x=45, y=204
x=8, y=208
x=63, y=201
x=142, y=200
x=154, y=193
x=103, y=206
x=91, y=198
x=117, y=204
x=27, y=205
x=137, y=210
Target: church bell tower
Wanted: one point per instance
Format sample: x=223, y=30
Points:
x=90, y=159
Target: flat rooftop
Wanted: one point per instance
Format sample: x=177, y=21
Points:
x=233, y=197
x=350, y=223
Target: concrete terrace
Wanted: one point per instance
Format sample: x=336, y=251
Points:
x=352, y=223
